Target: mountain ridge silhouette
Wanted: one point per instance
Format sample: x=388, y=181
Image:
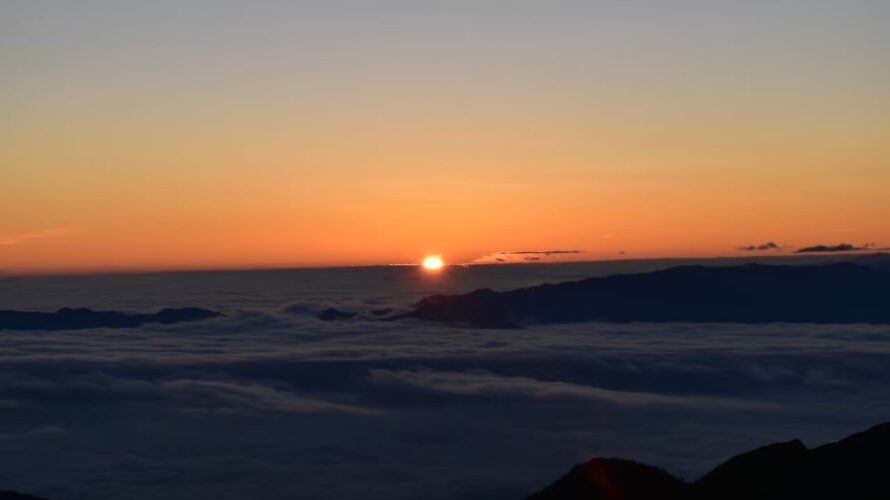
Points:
x=845, y=292
x=854, y=468
x=14, y=495
x=82, y=318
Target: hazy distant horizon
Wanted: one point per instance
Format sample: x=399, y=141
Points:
x=790, y=257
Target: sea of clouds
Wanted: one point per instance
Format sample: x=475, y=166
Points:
x=272, y=402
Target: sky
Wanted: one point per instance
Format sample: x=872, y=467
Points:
x=215, y=134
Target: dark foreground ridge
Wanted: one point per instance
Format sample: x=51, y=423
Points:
x=77, y=319
x=12, y=495
x=855, y=468
x=753, y=293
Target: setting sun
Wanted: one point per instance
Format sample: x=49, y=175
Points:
x=433, y=263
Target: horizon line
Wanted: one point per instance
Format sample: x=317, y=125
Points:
x=237, y=269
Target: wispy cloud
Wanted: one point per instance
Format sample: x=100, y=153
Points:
x=21, y=238
x=517, y=256
x=303, y=403
x=489, y=384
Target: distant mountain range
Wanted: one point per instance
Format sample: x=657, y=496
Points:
x=76, y=319
x=855, y=468
x=847, y=292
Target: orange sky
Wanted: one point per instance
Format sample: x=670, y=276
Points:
x=187, y=144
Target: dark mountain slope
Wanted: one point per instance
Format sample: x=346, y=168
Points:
x=855, y=468
x=753, y=293
x=775, y=471
x=614, y=478
x=12, y=495
x=77, y=319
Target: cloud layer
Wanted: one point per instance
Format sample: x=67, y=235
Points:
x=277, y=404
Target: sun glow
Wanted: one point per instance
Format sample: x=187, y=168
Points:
x=433, y=263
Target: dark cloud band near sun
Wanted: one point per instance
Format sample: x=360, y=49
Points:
x=520, y=256
x=770, y=245
x=840, y=247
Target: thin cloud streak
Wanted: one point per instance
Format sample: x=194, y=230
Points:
x=22, y=238
x=518, y=256
x=487, y=384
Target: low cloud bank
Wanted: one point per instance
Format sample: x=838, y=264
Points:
x=761, y=248
x=487, y=384
x=840, y=247
x=283, y=404
x=179, y=394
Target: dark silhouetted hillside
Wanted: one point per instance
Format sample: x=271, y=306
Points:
x=76, y=319
x=775, y=471
x=752, y=293
x=614, y=478
x=855, y=468
x=876, y=260
x=12, y=495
